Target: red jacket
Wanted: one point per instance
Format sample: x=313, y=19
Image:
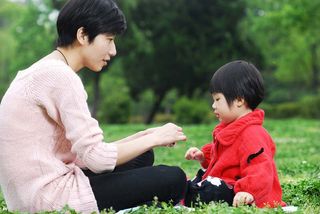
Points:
x=242, y=155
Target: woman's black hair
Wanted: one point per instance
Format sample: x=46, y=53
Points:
x=95, y=16
x=239, y=79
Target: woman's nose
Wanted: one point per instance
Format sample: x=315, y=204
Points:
x=113, y=49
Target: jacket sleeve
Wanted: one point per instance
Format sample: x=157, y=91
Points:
x=61, y=93
x=206, y=149
x=256, y=165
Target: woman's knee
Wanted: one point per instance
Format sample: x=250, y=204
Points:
x=175, y=177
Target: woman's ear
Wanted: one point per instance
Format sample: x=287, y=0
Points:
x=82, y=37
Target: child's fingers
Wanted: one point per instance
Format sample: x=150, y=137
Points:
x=192, y=153
x=188, y=155
x=242, y=198
x=199, y=156
x=248, y=199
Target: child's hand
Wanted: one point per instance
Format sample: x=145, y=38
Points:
x=194, y=154
x=242, y=198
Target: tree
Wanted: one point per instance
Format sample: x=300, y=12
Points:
x=27, y=34
x=8, y=13
x=287, y=32
x=30, y=35
x=179, y=43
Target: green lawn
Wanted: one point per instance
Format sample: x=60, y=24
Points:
x=297, y=158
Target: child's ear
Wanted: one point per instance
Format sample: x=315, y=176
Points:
x=240, y=102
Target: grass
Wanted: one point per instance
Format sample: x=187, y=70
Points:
x=297, y=158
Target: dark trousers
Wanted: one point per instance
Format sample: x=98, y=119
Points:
x=207, y=190
x=136, y=183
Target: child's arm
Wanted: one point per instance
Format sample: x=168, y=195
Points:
x=206, y=150
x=257, y=171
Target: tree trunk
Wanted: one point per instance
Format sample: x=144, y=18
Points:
x=155, y=108
x=96, y=96
x=315, y=69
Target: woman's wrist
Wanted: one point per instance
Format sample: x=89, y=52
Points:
x=152, y=140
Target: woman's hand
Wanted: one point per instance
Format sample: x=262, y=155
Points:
x=242, y=198
x=167, y=134
x=194, y=154
x=143, y=141
x=151, y=130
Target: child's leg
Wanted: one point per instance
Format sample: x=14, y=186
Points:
x=131, y=188
x=210, y=189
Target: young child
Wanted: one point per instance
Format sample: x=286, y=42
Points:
x=239, y=163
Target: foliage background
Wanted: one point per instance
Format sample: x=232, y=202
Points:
x=164, y=64
x=172, y=48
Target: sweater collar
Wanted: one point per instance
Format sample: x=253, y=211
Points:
x=226, y=134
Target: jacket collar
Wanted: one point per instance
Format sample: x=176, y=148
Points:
x=226, y=134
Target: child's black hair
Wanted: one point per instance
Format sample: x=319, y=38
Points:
x=239, y=79
x=95, y=16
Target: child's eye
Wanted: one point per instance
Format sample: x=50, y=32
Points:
x=217, y=99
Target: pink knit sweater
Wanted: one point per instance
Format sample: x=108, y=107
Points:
x=46, y=135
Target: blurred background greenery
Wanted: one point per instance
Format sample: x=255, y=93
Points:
x=172, y=48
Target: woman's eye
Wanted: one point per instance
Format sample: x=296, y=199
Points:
x=109, y=39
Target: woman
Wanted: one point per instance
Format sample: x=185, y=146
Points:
x=52, y=150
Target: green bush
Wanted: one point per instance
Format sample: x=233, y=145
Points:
x=286, y=110
x=142, y=106
x=307, y=107
x=191, y=111
x=310, y=107
x=115, y=109
x=164, y=118
x=268, y=109
x=282, y=110
x=115, y=102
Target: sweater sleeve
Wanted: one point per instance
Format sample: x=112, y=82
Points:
x=61, y=93
x=256, y=159
x=206, y=149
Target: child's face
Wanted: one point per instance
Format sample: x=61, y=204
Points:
x=223, y=111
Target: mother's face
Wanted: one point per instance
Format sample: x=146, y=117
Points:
x=98, y=53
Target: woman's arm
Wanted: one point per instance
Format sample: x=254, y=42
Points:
x=62, y=95
x=160, y=136
x=136, y=135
